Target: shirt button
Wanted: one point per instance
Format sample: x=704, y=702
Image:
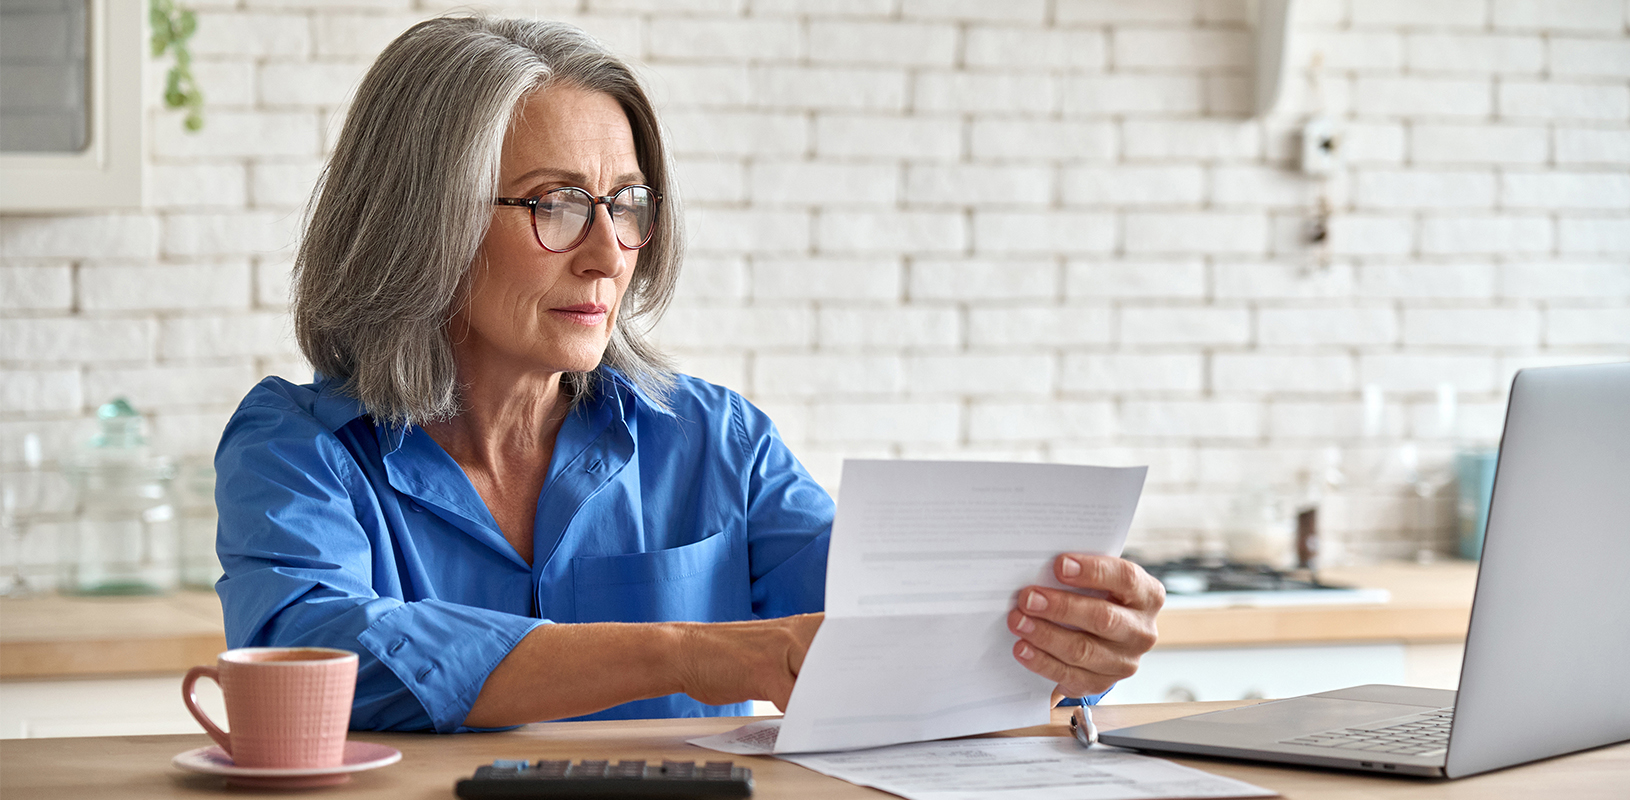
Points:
x=415, y=507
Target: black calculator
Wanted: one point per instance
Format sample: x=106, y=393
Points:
x=603, y=779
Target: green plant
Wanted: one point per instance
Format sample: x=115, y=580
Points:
x=172, y=27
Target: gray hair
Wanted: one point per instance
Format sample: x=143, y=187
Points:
x=406, y=199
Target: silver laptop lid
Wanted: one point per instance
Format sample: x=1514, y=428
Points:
x=1548, y=651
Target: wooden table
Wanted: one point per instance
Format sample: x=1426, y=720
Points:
x=138, y=767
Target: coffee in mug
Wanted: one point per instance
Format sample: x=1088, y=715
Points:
x=286, y=707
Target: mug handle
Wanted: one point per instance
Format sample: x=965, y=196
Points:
x=190, y=696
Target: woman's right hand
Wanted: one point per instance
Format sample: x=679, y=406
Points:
x=729, y=662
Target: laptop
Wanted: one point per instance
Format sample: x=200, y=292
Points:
x=1547, y=661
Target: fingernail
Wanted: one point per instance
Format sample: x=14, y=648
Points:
x=1025, y=652
x=1026, y=624
x=1036, y=602
x=1070, y=568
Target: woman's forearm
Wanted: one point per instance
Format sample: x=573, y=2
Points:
x=567, y=670
x=560, y=671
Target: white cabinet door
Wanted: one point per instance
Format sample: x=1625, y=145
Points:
x=1185, y=674
x=103, y=707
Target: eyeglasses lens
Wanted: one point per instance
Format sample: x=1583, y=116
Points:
x=560, y=217
x=634, y=214
x=563, y=215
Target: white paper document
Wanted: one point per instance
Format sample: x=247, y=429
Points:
x=1024, y=768
x=1021, y=768
x=925, y=562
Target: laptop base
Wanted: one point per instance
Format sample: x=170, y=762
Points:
x=1256, y=732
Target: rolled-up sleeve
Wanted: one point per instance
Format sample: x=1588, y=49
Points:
x=789, y=521
x=442, y=653
x=308, y=562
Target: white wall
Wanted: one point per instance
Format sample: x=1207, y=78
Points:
x=1028, y=229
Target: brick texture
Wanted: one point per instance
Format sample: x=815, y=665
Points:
x=1040, y=229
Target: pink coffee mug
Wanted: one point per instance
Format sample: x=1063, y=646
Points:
x=288, y=707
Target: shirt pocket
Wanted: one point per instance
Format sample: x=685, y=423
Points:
x=705, y=581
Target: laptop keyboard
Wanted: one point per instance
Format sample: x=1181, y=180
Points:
x=1420, y=735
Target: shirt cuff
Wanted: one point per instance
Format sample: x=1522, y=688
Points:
x=1089, y=700
x=443, y=652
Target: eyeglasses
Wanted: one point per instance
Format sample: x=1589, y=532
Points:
x=562, y=218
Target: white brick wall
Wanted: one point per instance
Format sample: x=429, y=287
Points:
x=1481, y=144
x=891, y=327
x=1103, y=279
x=1558, y=100
x=1031, y=327
x=42, y=287
x=1036, y=230
x=1470, y=281
x=1410, y=14
x=984, y=280
x=1295, y=327
x=1583, y=15
x=163, y=287
x=1505, y=54
x=1134, y=373
x=1592, y=146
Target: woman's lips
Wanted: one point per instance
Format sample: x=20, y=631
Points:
x=588, y=315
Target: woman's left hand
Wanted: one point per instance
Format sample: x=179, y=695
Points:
x=1087, y=643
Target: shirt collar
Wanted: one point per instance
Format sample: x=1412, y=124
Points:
x=418, y=466
x=622, y=385
x=334, y=408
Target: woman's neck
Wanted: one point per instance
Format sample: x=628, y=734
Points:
x=507, y=419
x=504, y=438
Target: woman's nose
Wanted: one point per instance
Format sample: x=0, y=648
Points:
x=601, y=253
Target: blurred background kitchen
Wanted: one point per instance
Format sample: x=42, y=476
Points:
x=1288, y=254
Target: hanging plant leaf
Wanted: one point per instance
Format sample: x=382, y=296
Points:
x=172, y=26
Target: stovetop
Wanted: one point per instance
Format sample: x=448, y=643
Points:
x=1196, y=582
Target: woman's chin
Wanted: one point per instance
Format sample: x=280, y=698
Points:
x=578, y=362
x=582, y=352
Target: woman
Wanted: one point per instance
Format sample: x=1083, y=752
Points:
x=496, y=492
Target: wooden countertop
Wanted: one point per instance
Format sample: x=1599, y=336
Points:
x=54, y=636
x=1430, y=603
x=138, y=767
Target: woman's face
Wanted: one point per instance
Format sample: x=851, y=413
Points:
x=531, y=309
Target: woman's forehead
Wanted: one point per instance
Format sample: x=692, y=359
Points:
x=565, y=131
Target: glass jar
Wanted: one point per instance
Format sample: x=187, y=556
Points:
x=1262, y=529
x=195, y=485
x=125, y=537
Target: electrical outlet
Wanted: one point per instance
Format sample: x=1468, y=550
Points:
x=1320, y=146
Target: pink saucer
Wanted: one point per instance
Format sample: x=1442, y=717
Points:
x=359, y=756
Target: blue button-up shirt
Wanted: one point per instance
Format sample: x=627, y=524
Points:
x=338, y=531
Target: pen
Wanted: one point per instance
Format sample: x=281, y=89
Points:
x=1081, y=726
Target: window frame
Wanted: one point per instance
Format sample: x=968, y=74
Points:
x=109, y=173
